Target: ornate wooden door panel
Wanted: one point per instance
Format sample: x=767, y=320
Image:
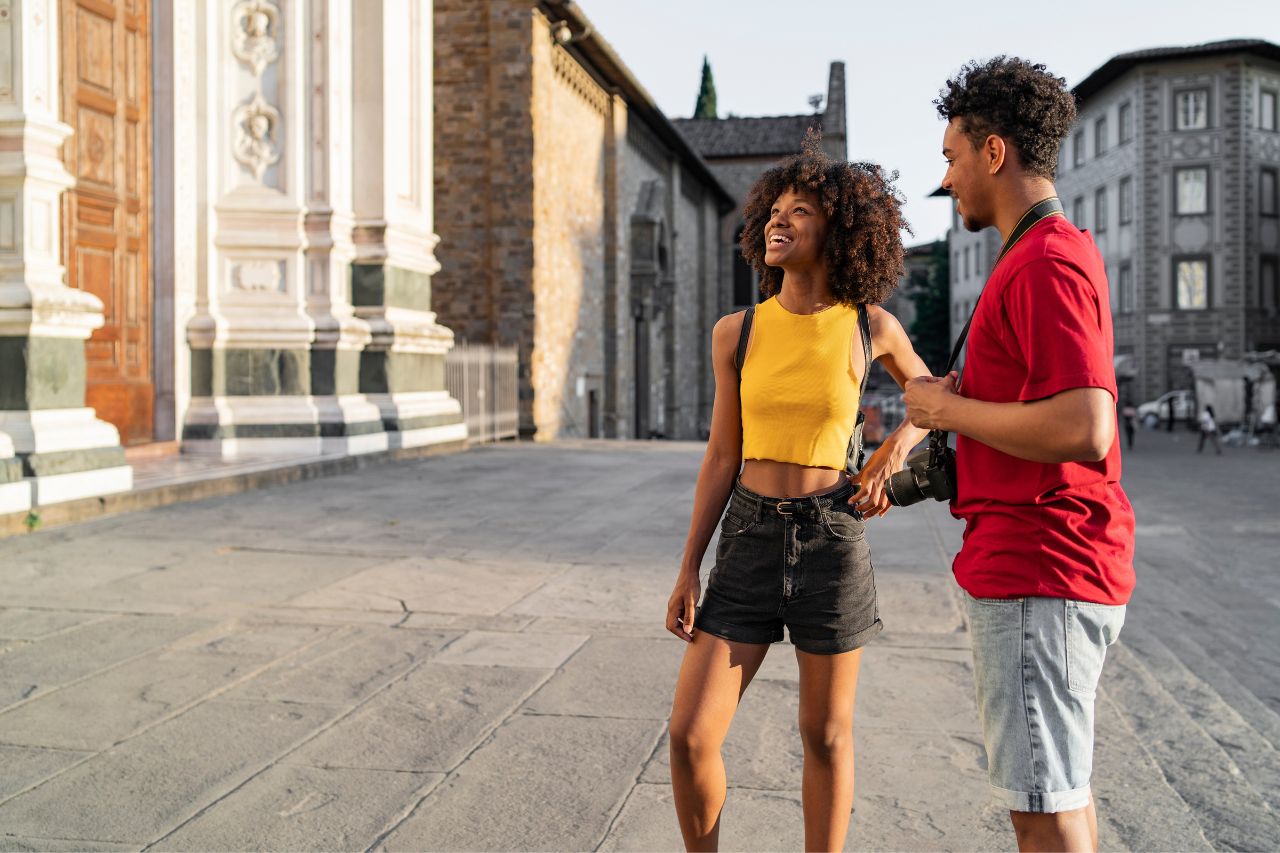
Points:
x=106, y=86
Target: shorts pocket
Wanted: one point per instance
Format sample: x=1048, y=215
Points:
x=1090, y=629
x=844, y=526
x=734, y=525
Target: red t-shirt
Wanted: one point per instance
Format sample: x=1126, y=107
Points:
x=1043, y=326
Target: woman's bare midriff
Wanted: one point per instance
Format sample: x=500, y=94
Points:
x=787, y=479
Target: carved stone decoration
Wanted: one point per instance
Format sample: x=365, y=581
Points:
x=255, y=128
x=255, y=25
x=260, y=276
x=255, y=42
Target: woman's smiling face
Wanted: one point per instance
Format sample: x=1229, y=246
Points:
x=796, y=231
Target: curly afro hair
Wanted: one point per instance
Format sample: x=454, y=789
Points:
x=864, y=222
x=1015, y=99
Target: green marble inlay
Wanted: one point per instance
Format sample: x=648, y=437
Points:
x=380, y=284
x=383, y=372
x=72, y=461
x=250, y=372
x=41, y=373
x=335, y=372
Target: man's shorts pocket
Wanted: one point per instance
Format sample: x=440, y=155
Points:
x=1091, y=628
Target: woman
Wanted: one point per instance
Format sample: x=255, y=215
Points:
x=1208, y=430
x=824, y=237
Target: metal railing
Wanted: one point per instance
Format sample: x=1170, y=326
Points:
x=484, y=379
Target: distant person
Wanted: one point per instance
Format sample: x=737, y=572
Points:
x=1130, y=419
x=1168, y=424
x=1208, y=430
x=1047, y=560
x=824, y=237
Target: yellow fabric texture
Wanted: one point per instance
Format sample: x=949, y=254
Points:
x=799, y=389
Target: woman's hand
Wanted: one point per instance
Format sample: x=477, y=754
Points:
x=871, y=499
x=682, y=605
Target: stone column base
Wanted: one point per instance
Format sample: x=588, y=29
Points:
x=67, y=454
x=230, y=427
x=15, y=493
x=418, y=418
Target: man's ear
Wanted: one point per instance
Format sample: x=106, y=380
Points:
x=994, y=152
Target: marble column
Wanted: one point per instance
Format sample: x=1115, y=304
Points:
x=274, y=342
x=402, y=368
x=64, y=450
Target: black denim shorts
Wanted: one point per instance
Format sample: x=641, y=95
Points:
x=799, y=562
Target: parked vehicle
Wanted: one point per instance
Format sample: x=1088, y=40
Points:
x=1154, y=411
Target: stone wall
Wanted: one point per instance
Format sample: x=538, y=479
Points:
x=483, y=195
x=570, y=120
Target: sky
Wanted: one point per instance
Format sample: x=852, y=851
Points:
x=769, y=57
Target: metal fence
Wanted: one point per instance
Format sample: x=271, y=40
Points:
x=484, y=379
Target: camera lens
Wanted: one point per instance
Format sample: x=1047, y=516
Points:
x=908, y=486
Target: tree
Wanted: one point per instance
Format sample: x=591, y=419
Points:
x=706, y=107
x=931, y=293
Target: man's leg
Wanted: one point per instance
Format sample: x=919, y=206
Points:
x=1037, y=663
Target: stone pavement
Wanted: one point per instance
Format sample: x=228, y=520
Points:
x=467, y=653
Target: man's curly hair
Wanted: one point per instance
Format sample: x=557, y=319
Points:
x=864, y=222
x=1015, y=99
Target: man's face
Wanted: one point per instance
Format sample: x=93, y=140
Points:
x=967, y=179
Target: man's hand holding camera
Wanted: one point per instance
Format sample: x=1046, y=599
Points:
x=929, y=399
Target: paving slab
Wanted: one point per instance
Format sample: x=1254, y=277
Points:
x=614, y=677
x=304, y=808
x=60, y=659
x=345, y=668
x=220, y=744
x=429, y=720
x=18, y=623
x=503, y=648
x=938, y=695
x=751, y=820
x=26, y=766
x=507, y=795
x=57, y=845
x=621, y=593
x=433, y=584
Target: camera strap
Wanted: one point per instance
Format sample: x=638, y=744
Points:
x=1040, y=210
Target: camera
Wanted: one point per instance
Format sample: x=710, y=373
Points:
x=930, y=473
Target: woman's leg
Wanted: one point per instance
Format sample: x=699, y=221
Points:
x=828, y=685
x=712, y=677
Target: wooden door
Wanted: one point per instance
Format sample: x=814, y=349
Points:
x=106, y=88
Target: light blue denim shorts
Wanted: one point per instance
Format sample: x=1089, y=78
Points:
x=1036, y=663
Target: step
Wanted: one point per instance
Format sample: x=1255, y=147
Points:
x=1228, y=808
x=1188, y=678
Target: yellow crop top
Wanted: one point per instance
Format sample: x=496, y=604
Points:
x=799, y=390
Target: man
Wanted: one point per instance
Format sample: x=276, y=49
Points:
x=1047, y=561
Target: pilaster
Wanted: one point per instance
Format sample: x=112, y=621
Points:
x=402, y=367
x=64, y=451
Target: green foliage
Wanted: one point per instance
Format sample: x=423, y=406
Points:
x=706, y=107
x=32, y=521
x=931, y=294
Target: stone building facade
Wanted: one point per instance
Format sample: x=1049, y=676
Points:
x=218, y=234
x=577, y=224
x=740, y=148
x=1172, y=166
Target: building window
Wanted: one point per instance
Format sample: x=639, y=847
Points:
x=1191, y=111
x=1077, y=148
x=1191, y=283
x=1100, y=210
x=1191, y=191
x=1099, y=136
x=1268, y=202
x=968, y=253
x=1126, y=201
x=1127, y=300
x=1269, y=283
x=1126, y=122
x=1077, y=213
x=1267, y=109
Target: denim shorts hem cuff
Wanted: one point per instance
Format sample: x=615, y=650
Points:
x=1041, y=802
x=735, y=634
x=838, y=645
